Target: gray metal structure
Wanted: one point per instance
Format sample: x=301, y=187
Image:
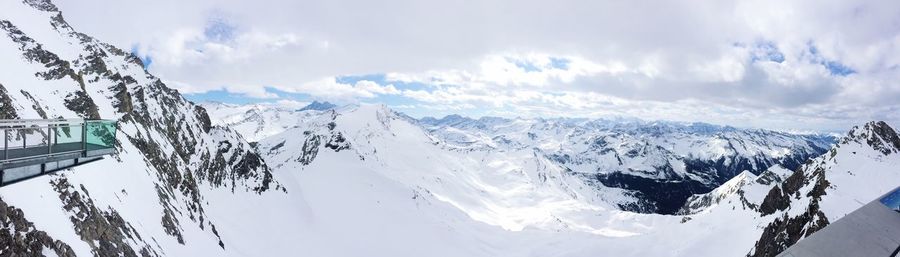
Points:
x=871, y=230
x=34, y=147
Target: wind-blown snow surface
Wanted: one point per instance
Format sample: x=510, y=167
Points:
x=544, y=209
x=660, y=164
x=358, y=181
x=256, y=121
x=177, y=185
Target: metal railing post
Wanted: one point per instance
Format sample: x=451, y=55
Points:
x=84, y=137
x=50, y=139
x=24, y=142
x=6, y=144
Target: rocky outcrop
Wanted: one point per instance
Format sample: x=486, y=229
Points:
x=878, y=135
x=7, y=108
x=805, y=188
x=81, y=103
x=174, y=138
x=786, y=231
x=104, y=230
x=19, y=237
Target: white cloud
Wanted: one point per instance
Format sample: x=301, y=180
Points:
x=291, y=103
x=693, y=61
x=331, y=89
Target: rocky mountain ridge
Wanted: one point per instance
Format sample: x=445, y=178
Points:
x=166, y=141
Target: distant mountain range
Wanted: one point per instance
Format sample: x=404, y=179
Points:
x=365, y=180
x=660, y=163
x=318, y=106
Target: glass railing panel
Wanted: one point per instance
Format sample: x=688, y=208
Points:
x=67, y=134
x=101, y=134
x=37, y=138
x=27, y=137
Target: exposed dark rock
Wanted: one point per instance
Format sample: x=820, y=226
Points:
x=253, y=162
x=275, y=148
x=786, y=231
x=104, y=230
x=310, y=149
x=882, y=137
x=19, y=237
x=34, y=52
x=171, y=225
x=662, y=196
x=82, y=104
x=669, y=195
x=35, y=104
x=168, y=130
x=337, y=142
x=42, y=5
x=205, y=123
x=779, y=197
x=768, y=178
x=7, y=109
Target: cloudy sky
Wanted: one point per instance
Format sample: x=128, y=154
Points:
x=804, y=65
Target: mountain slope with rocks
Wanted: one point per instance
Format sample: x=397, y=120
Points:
x=528, y=193
x=164, y=191
x=258, y=121
x=365, y=180
x=663, y=162
x=861, y=167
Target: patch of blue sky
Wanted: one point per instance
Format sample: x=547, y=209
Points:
x=224, y=96
x=767, y=51
x=219, y=30
x=381, y=79
x=834, y=67
x=559, y=63
x=525, y=65
x=838, y=69
x=146, y=59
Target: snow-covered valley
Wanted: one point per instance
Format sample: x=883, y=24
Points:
x=366, y=180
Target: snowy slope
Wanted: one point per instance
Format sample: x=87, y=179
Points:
x=513, y=190
x=665, y=162
x=367, y=181
x=530, y=197
x=658, y=150
x=662, y=163
x=175, y=176
x=861, y=167
x=257, y=121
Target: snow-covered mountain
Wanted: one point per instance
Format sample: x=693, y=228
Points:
x=660, y=163
x=524, y=191
x=171, y=188
x=368, y=181
x=664, y=162
x=318, y=106
x=258, y=121
x=861, y=167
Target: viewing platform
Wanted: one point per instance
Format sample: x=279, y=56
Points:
x=34, y=147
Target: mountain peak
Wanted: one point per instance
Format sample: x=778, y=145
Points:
x=318, y=106
x=877, y=134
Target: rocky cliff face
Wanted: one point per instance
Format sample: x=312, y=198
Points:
x=791, y=205
x=166, y=144
x=799, y=198
x=663, y=163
